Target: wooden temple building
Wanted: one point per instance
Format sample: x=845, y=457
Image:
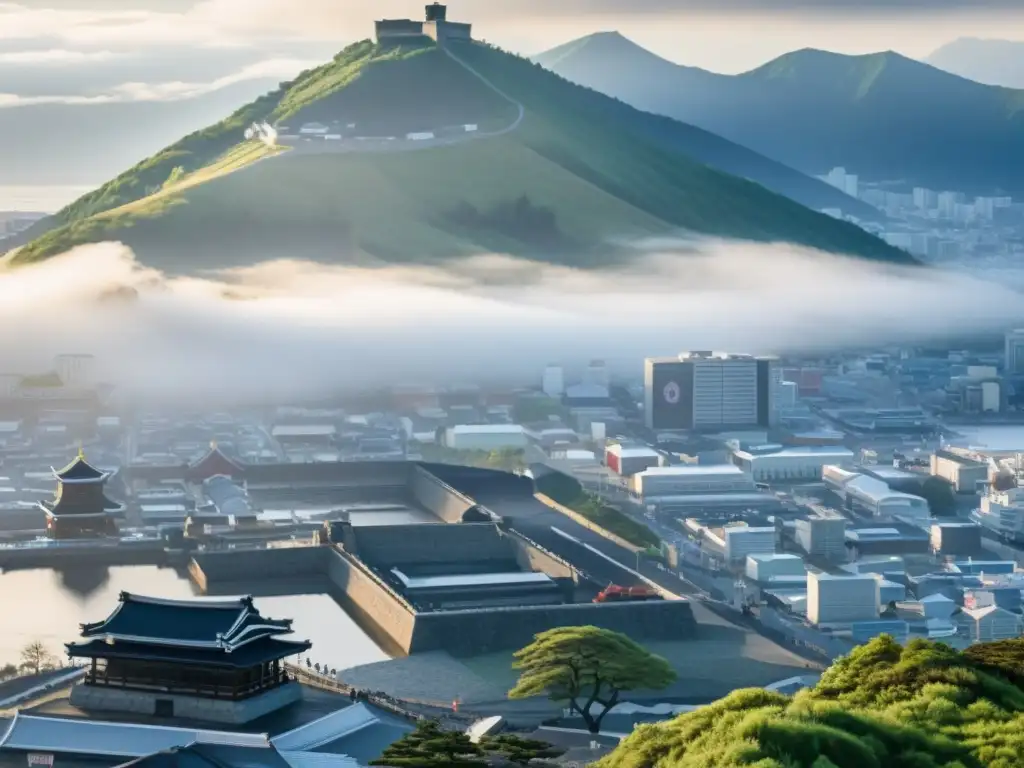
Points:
x=210, y=660
x=80, y=508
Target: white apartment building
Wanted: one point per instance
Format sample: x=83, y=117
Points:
x=823, y=537
x=841, y=599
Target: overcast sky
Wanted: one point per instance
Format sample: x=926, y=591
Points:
x=724, y=35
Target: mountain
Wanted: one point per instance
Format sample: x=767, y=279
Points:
x=520, y=162
x=923, y=704
x=994, y=62
x=882, y=116
x=81, y=144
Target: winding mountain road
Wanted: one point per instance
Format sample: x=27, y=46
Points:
x=364, y=146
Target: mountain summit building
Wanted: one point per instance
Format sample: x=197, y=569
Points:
x=435, y=27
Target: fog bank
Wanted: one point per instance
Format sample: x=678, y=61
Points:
x=290, y=330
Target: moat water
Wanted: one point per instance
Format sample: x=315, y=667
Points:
x=48, y=606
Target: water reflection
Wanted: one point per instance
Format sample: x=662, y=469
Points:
x=49, y=606
x=82, y=581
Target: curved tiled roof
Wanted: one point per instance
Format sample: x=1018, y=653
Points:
x=196, y=624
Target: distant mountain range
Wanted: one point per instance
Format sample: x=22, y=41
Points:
x=545, y=170
x=81, y=144
x=994, y=62
x=882, y=116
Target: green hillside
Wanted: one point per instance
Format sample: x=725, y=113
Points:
x=576, y=176
x=883, y=706
x=881, y=115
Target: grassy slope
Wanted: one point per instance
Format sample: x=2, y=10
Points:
x=567, y=159
x=880, y=114
x=925, y=706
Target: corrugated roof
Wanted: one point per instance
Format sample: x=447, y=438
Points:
x=326, y=729
x=32, y=733
x=471, y=579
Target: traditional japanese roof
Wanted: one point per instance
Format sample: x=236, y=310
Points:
x=249, y=655
x=56, y=509
x=215, y=462
x=80, y=471
x=219, y=626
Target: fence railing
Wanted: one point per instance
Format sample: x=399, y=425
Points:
x=406, y=708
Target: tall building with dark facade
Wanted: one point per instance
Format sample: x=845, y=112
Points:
x=709, y=391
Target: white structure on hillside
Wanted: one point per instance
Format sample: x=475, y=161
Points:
x=841, y=599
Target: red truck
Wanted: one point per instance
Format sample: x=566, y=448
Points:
x=615, y=593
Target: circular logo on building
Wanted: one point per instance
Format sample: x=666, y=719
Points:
x=672, y=393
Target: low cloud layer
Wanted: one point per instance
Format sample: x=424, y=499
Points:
x=286, y=330
x=277, y=69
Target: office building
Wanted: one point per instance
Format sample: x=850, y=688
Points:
x=709, y=391
x=841, y=599
x=627, y=460
x=1014, y=359
x=823, y=537
x=925, y=199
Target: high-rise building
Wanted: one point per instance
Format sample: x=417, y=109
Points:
x=709, y=391
x=925, y=199
x=851, y=184
x=596, y=374
x=553, y=383
x=1015, y=352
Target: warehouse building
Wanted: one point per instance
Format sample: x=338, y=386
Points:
x=769, y=464
x=691, y=478
x=890, y=538
x=964, y=469
x=769, y=567
x=739, y=541
x=485, y=437
x=628, y=460
x=709, y=391
x=823, y=537
x=841, y=599
x=874, y=497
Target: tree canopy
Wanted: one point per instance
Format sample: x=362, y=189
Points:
x=925, y=705
x=431, y=746
x=36, y=658
x=517, y=749
x=589, y=668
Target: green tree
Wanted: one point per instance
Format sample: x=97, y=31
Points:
x=589, y=668
x=517, y=749
x=35, y=658
x=7, y=671
x=430, y=746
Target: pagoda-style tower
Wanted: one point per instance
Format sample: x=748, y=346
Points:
x=80, y=508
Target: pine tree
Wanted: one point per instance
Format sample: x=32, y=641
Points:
x=430, y=746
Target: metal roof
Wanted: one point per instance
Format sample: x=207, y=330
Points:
x=691, y=470
x=94, y=737
x=471, y=579
x=326, y=729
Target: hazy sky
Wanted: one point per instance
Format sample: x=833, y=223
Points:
x=697, y=32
